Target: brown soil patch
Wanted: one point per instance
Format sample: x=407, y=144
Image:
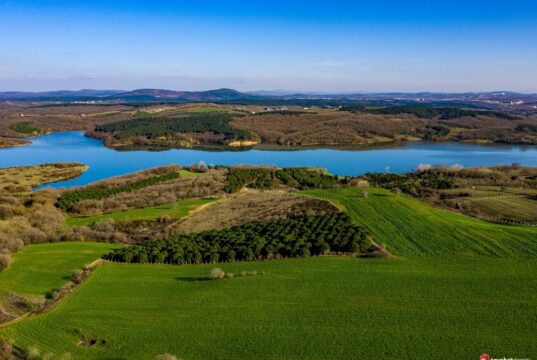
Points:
x=252, y=206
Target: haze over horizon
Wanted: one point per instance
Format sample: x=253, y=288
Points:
x=309, y=46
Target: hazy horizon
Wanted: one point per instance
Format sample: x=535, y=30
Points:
x=336, y=47
x=275, y=91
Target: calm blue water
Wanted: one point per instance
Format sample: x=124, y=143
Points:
x=104, y=162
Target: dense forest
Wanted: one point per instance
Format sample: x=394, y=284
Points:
x=153, y=127
x=268, y=178
x=429, y=112
x=298, y=237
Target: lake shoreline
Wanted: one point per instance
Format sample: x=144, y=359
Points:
x=74, y=146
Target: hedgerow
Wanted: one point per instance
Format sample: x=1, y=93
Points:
x=298, y=237
x=68, y=199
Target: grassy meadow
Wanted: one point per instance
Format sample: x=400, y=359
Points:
x=456, y=287
x=312, y=308
x=39, y=268
x=174, y=211
x=410, y=227
x=494, y=202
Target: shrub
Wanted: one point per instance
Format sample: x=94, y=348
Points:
x=33, y=353
x=165, y=219
x=7, y=351
x=5, y=261
x=216, y=273
x=79, y=276
x=166, y=357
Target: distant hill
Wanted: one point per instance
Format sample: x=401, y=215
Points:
x=209, y=95
x=85, y=93
x=524, y=103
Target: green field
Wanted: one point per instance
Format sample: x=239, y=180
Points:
x=174, y=211
x=509, y=202
x=410, y=227
x=314, y=308
x=457, y=287
x=40, y=268
x=185, y=172
x=522, y=209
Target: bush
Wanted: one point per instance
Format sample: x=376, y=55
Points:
x=166, y=357
x=165, y=219
x=216, y=273
x=79, y=276
x=33, y=353
x=7, y=351
x=5, y=261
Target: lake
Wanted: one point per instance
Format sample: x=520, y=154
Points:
x=105, y=162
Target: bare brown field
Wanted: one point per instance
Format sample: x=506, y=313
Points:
x=59, y=118
x=249, y=206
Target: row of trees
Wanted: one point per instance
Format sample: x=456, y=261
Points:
x=268, y=178
x=429, y=112
x=298, y=237
x=69, y=198
x=411, y=183
x=154, y=127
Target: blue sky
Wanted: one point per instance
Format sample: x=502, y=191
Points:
x=249, y=45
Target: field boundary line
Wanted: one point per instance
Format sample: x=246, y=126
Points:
x=46, y=307
x=191, y=213
x=495, y=197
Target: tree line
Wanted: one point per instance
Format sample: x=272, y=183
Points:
x=268, y=178
x=411, y=183
x=69, y=198
x=429, y=112
x=295, y=237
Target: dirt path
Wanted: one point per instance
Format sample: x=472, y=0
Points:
x=190, y=213
x=94, y=263
x=15, y=320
